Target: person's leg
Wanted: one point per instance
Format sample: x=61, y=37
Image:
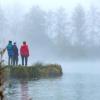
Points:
x=14, y=60
x=8, y=60
x=22, y=60
x=11, y=60
x=26, y=59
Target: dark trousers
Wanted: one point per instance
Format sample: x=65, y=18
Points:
x=15, y=60
x=10, y=60
x=24, y=60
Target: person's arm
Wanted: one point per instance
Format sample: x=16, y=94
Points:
x=28, y=50
x=17, y=52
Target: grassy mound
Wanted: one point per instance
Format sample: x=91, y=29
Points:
x=37, y=70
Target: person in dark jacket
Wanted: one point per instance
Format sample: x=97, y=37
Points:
x=10, y=53
x=24, y=52
x=15, y=55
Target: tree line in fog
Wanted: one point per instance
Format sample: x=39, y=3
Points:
x=67, y=34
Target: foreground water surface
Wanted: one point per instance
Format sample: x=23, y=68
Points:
x=73, y=85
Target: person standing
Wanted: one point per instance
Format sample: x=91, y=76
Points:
x=24, y=52
x=10, y=53
x=15, y=55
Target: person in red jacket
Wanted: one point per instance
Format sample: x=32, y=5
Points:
x=24, y=52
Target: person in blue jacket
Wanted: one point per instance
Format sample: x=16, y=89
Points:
x=10, y=53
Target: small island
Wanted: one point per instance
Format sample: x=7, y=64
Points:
x=35, y=71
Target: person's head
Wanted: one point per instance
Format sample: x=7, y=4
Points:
x=24, y=42
x=10, y=42
x=14, y=43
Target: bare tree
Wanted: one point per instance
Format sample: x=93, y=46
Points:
x=79, y=24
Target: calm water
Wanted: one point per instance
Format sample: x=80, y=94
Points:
x=71, y=86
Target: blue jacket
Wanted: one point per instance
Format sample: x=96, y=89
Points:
x=10, y=49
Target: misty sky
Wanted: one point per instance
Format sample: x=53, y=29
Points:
x=49, y=4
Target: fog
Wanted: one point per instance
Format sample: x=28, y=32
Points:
x=56, y=31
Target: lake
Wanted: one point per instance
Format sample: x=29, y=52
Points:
x=80, y=81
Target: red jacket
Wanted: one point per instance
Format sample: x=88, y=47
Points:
x=24, y=51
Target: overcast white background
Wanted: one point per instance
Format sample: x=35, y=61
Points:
x=49, y=4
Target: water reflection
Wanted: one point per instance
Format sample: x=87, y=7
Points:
x=24, y=90
x=68, y=87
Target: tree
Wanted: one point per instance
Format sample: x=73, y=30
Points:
x=34, y=31
x=34, y=26
x=60, y=27
x=79, y=25
x=2, y=21
x=3, y=27
x=93, y=26
x=50, y=24
x=59, y=30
